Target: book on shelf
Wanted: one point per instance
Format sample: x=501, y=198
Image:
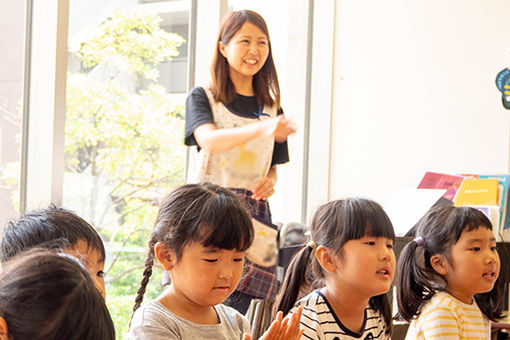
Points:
x=486, y=192
x=436, y=180
x=504, y=184
x=477, y=191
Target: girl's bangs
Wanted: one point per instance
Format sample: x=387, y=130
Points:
x=380, y=227
x=226, y=225
x=467, y=219
x=369, y=218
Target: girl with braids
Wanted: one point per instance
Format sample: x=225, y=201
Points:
x=447, y=278
x=351, y=258
x=200, y=236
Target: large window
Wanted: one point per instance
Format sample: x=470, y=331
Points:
x=12, y=40
x=126, y=86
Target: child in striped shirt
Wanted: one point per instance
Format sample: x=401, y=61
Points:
x=351, y=260
x=447, y=278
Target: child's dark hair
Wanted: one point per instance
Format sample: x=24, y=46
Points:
x=265, y=82
x=333, y=224
x=45, y=295
x=50, y=228
x=436, y=233
x=204, y=213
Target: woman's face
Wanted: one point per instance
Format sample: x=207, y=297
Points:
x=246, y=52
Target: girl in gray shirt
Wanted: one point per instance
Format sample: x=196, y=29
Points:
x=200, y=236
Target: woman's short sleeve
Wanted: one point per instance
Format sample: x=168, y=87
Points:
x=198, y=112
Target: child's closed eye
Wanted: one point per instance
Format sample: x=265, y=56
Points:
x=238, y=259
x=210, y=260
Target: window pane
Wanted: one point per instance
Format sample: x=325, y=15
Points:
x=12, y=39
x=126, y=89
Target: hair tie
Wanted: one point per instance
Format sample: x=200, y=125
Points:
x=312, y=245
x=419, y=241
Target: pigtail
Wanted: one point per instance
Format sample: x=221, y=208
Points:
x=416, y=281
x=296, y=278
x=149, y=262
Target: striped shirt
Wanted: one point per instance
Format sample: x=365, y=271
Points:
x=320, y=321
x=444, y=317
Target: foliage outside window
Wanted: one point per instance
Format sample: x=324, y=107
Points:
x=123, y=144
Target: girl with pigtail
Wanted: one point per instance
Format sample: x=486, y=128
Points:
x=200, y=236
x=447, y=279
x=350, y=259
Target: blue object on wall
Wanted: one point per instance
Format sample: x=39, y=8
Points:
x=503, y=84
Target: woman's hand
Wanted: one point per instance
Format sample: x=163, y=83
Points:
x=264, y=187
x=279, y=127
x=286, y=329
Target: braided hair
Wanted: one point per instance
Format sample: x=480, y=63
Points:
x=204, y=213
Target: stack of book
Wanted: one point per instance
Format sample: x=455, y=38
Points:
x=488, y=193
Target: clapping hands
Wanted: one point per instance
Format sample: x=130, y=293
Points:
x=282, y=328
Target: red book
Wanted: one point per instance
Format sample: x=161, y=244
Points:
x=434, y=180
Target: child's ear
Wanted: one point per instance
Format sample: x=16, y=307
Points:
x=439, y=263
x=164, y=255
x=4, y=332
x=326, y=258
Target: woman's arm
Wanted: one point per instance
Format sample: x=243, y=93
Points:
x=213, y=140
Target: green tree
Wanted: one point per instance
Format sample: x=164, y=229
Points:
x=123, y=144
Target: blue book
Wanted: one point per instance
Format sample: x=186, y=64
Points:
x=504, y=183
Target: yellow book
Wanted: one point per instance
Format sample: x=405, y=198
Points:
x=477, y=191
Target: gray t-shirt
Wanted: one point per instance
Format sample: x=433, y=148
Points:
x=153, y=321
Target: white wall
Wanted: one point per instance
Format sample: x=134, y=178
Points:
x=414, y=91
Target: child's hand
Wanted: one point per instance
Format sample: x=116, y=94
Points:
x=292, y=329
x=286, y=329
x=273, y=332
